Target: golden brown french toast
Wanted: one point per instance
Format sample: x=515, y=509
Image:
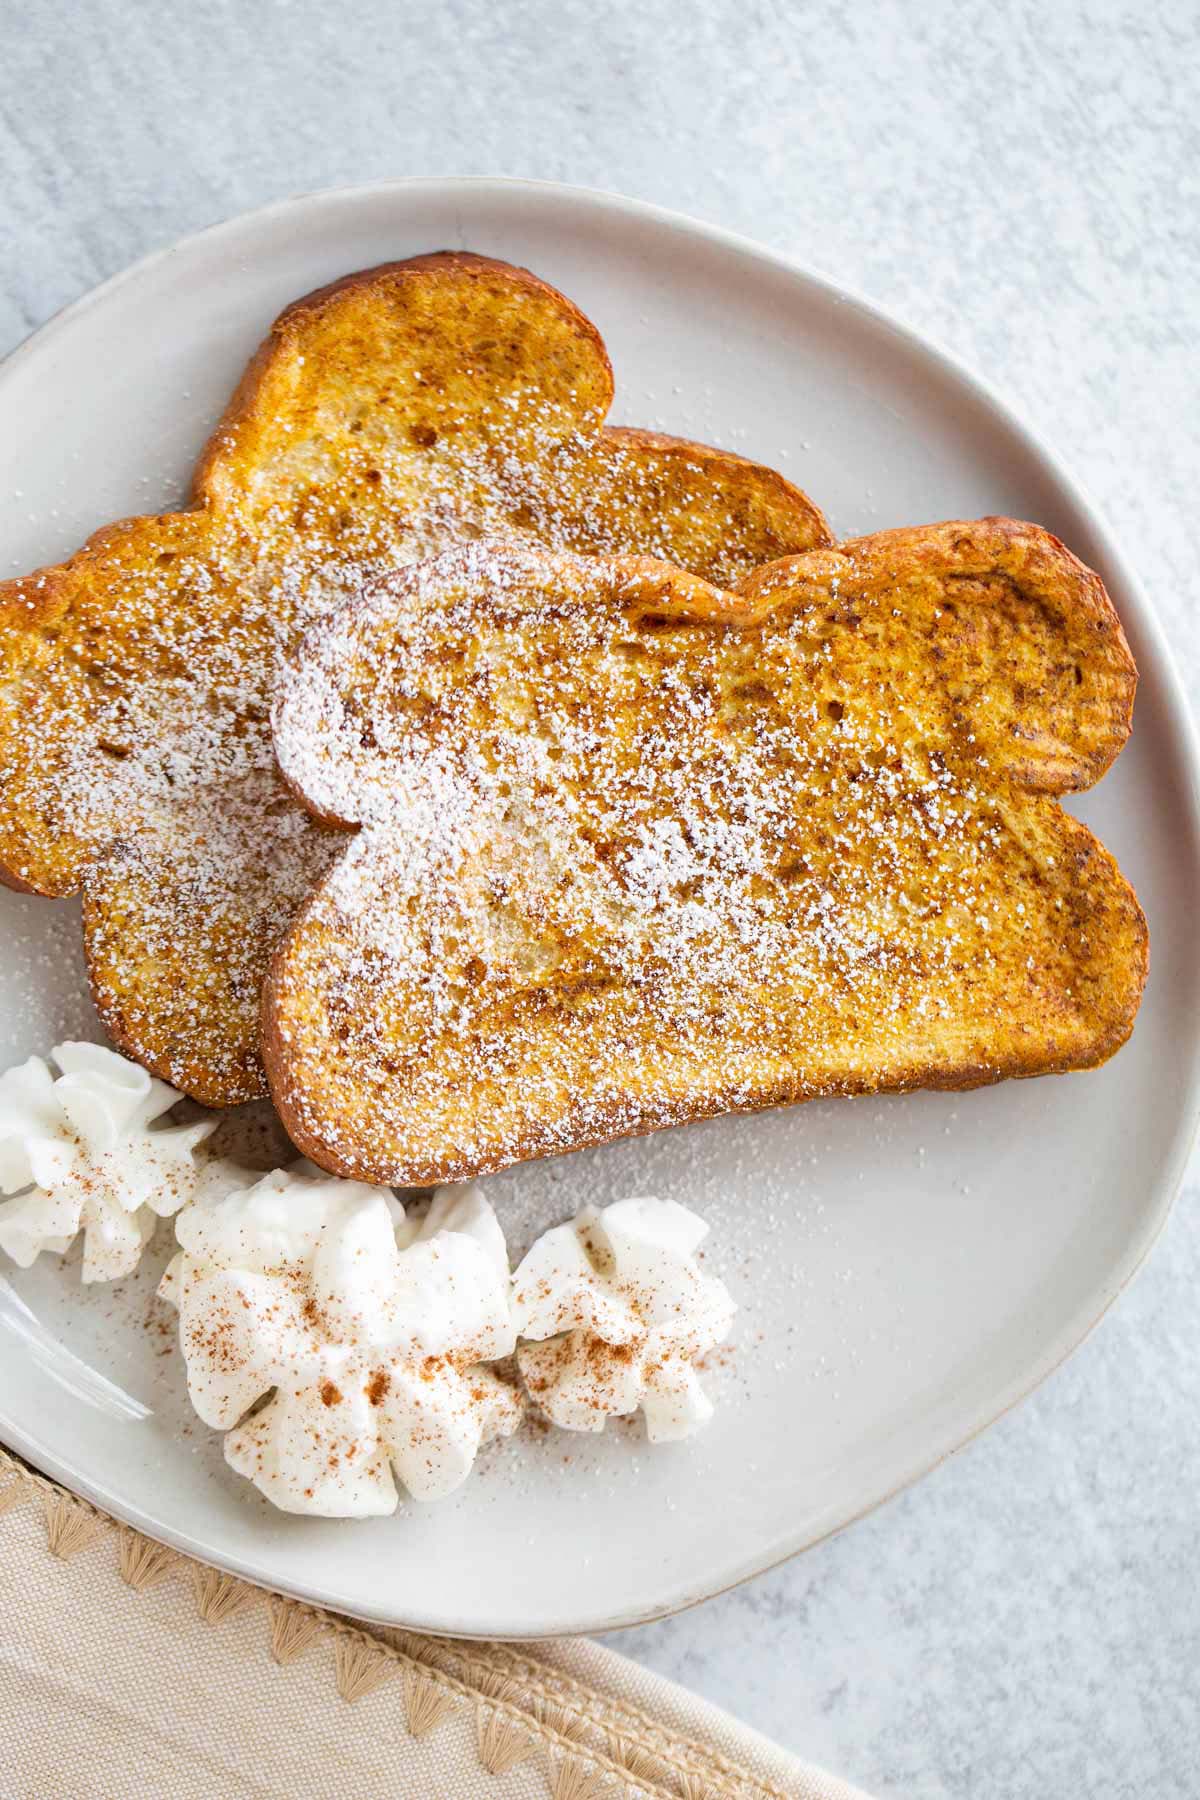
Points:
x=635, y=850
x=405, y=409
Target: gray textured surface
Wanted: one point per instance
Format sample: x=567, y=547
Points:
x=1021, y=182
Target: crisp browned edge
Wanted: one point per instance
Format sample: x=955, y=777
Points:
x=752, y=600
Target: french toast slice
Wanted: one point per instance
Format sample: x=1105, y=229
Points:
x=634, y=850
x=402, y=410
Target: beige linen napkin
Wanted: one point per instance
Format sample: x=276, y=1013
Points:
x=129, y=1672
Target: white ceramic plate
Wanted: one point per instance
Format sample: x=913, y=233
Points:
x=906, y=1269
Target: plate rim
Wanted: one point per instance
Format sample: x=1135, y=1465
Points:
x=1071, y=1334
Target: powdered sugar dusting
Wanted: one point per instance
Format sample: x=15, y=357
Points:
x=137, y=741
x=633, y=850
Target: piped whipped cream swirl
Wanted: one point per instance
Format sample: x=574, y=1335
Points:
x=80, y=1148
x=624, y=1312
x=367, y=1330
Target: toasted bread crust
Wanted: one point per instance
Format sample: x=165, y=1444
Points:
x=440, y=272
x=384, y=417
x=963, y=558
x=637, y=851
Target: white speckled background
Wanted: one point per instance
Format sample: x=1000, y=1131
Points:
x=1021, y=181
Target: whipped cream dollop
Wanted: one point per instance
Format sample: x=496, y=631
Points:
x=80, y=1148
x=625, y=1311
x=368, y=1329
